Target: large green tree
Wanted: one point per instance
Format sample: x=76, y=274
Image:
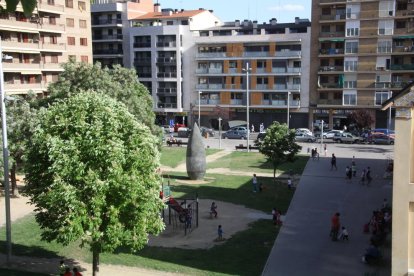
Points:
x=279, y=145
x=28, y=6
x=92, y=175
x=119, y=83
x=361, y=119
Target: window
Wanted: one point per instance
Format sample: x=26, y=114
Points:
x=323, y=95
x=399, y=43
x=381, y=97
x=53, y=39
x=349, y=98
x=325, y=28
x=71, y=40
x=401, y=24
x=351, y=47
x=385, y=27
x=384, y=46
x=82, y=23
x=72, y=57
x=52, y=20
x=69, y=3
x=82, y=6
x=170, y=23
x=83, y=41
x=70, y=22
x=54, y=59
x=351, y=65
x=84, y=59
x=352, y=32
x=350, y=81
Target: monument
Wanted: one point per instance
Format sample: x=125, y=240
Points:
x=196, y=155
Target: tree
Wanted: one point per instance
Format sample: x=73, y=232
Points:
x=20, y=123
x=119, y=83
x=361, y=118
x=92, y=175
x=279, y=145
x=28, y=6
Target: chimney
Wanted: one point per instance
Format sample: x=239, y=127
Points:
x=182, y=10
x=157, y=7
x=297, y=19
x=211, y=11
x=245, y=23
x=273, y=21
x=175, y=11
x=237, y=23
x=255, y=24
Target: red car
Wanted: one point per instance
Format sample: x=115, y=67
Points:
x=177, y=126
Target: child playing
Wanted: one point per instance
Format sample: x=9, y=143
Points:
x=289, y=184
x=344, y=234
x=220, y=233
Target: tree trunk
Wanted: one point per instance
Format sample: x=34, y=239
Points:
x=13, y=170
x=95, y=262
x=274, y=174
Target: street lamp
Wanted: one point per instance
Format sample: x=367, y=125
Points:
x=5, y=156
x=219, y=119
x=247, y=70
x=389, y=113
x=199, y=104
x=288, y=108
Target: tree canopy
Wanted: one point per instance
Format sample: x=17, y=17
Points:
x=361, y=119
x=92, y=175
x=119, y=83
x=279, y=145
x=28, y=6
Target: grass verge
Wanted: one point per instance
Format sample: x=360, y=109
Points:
x=173, y=156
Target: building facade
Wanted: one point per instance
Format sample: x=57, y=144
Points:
x=363, y=49
x=269, y=63
x=35, y=47
x=403, y=179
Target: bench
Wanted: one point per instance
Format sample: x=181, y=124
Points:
x=179, y=143
x=245, y=147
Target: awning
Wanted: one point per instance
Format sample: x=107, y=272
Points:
x=18, y=29
x=332, y=39
x=20, y=50
x=404, y=36
x=34, y=72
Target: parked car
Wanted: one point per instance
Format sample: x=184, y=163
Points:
x=177, y=126
x=184, y=132
x=346, y=137
x=303, y=137
x=383, y=139
x=330, y=134
x=234, y=134
x=304, y=130
x=239, y=128
x=167, y=128
x=261, y=136
x=207, y=130
x=379, y=133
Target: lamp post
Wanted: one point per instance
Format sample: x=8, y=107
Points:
x=247, y=69
x=219, y=119
x=199, y=104
x=288, y=109
x=5, y=158
x=389, y=113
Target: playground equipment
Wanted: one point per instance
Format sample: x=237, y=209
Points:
x=181, y=212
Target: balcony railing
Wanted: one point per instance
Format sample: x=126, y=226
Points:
x=24, y=86
x=382, y=85
x=208, y=102
x=106, y=21
x=255, y=54
x=142, y=44
x=167, y=59
x=167, y=74
x=108, y=52
x=331, y=68
x=332, y=1
x=166, y=44
x=209, y=70
x=329, y=102
x=214, y=86
x=286, y=87
x=333, y=17
x=171, y=90
x=51, y=46
x=20, y=66
x=51, y=66
x=286, y=70
x=232, y=70
x=332, y=34
x=236, y=102
x=332, y=51
x=402, y=67
x=288, y=53
x=17, y=44
x=330, y=85
x=52, y=27
x=107, y=37
x=406, y=49
x=142, y=60
x=211, y=55
x=44, y=6
x=292, y=103
x=166, y=105
x=262, y=86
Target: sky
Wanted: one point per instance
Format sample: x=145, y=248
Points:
x=261, y=10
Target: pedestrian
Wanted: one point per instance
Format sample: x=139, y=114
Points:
x=254, y=182
x=313, y=153
x=76, y=272
x=363, y=175
x=62, y=268
x=354, y=169
x=368, y=175
x=333, y=162
x=325, y=149
x=274, y=216
x=219, y=233
x=279, y=217
x=344, y=234
x=347, y=172
x=252, y=128
x=335, y=225
x=67, y=272
x=289, y=183
x=261, y=127
x=213, y=209
x=316, y=154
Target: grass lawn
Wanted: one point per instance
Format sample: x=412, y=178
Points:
x=173, y=156
x=256, y=162
x=9, y=272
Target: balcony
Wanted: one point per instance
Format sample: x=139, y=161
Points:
x=14, y=88
x=108, y=52
x=46, y=7
x=211, y=55
x=333, y=17
x=11, y=21
x=166, y=105
x=382, y=84
x=209, y=70
x=294, y=54
x=211, y=86
x=51, y=66
x=329, y=102
x=142, y=60
x=165, y=90
x=53, y=28
x=232, y=70
x=142, y=44
x=406, y=49
x=260, y=70
x=236, y=102
x=332, y=51
x=284, y=70
x=331, y=68
x=106, y=21
x=108, y=37
x=144, y=74
x=281, y=103
x=167, y=60
x=166, y=44
x=286, y=87
x=330, y=85
x=17, y=67
x=208, y=102
x=260, y=86
x=332, y=34
x=333, y=1
x=255, y=54
x=19, y=45
x=58, y=47
x=402, y=67
x=167, y=74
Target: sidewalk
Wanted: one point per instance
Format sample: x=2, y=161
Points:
x=303, y=246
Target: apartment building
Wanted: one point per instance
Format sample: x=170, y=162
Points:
x=363, y=50
x=159, y=50
x=276, y=56
x=34, y=47
x=109, y=24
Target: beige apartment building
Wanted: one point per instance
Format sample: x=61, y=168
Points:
x=403, y=188
x=35, y=47
x=363, y=51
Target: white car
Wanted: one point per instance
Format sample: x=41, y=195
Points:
x=304, y=131
x=331, y=134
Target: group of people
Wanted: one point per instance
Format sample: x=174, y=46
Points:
x=337, y=232
x=315, y=154
x=65, y=270
x=351, y=172
x=261, y=128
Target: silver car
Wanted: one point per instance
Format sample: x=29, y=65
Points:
x=303, y=137
x=235, y=134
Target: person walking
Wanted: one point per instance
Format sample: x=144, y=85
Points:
x=335, y=225
x=76, y=272
x=333, y=162
x=344, y=234
x=254, y=182
x=62, y=268
x=325, y=149
x=213, y=209
x=220, y=233
x=368, y=175
x=363, y=176
x=354, y=169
